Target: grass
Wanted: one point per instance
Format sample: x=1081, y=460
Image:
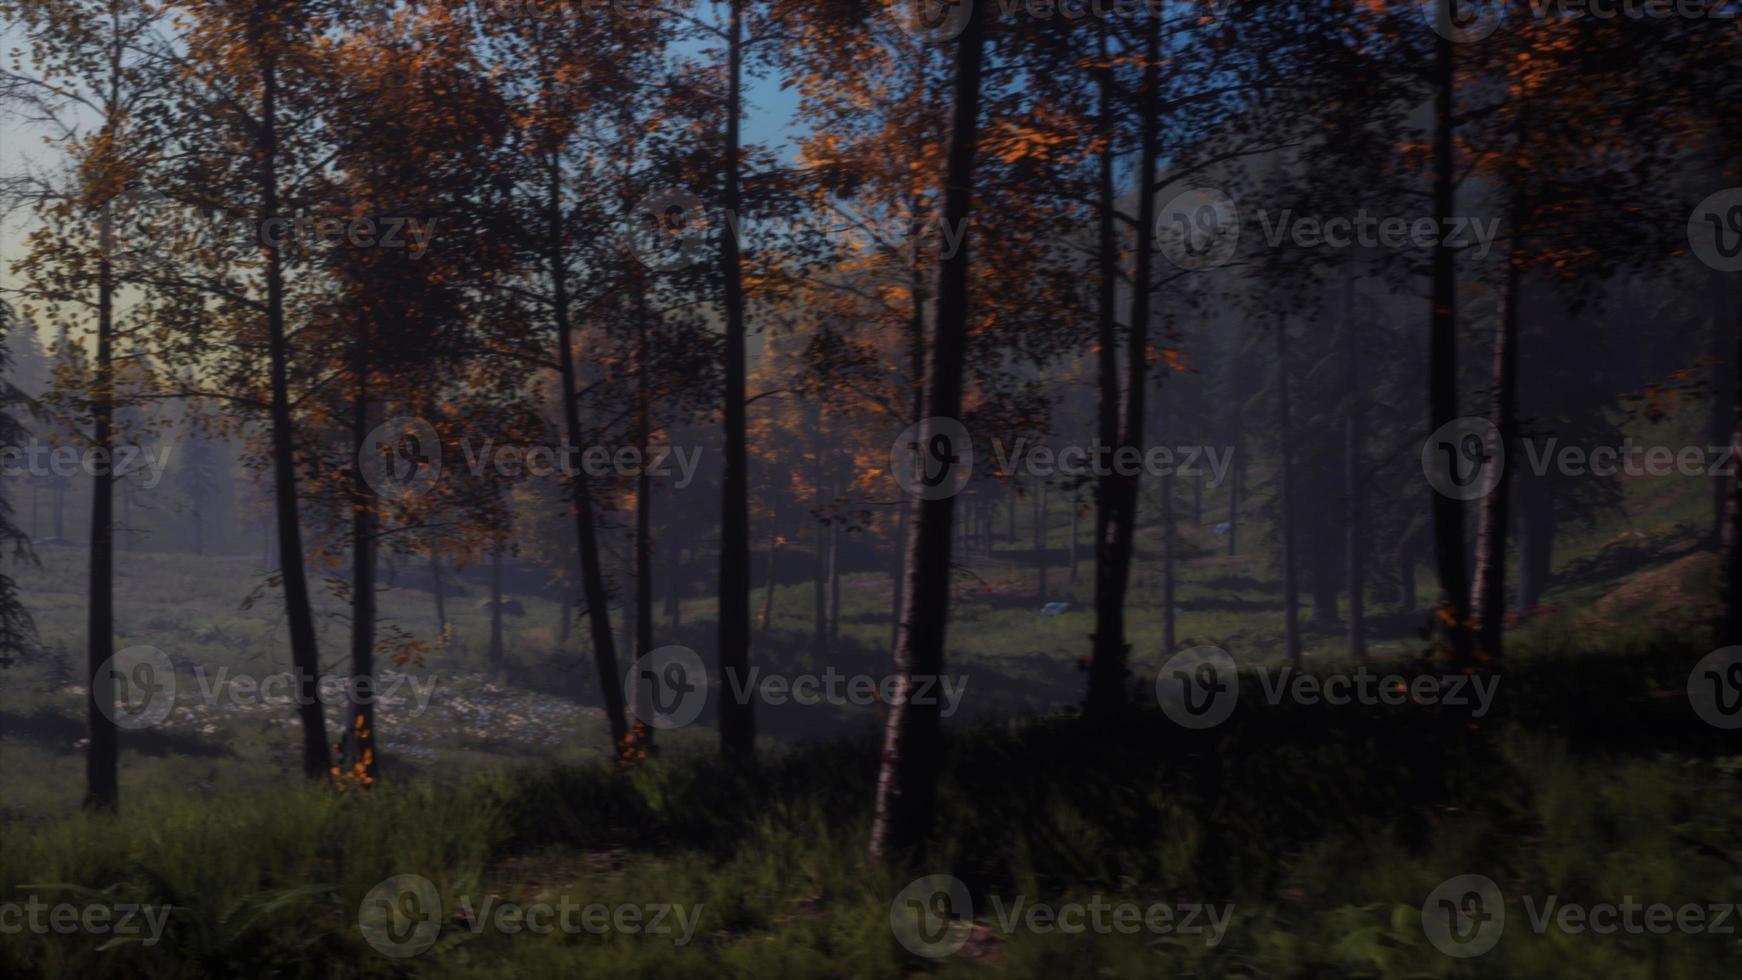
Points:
x=1324, y=828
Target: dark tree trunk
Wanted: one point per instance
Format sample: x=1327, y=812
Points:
x=1730, y=544
x=768, y=589
x=737, y=720
x=438, y=588
x=304, y=651
x=643, y=515
x=835, y=577
x=820, y=558
x=1285, y=504
x=496, y=609
x=1040, y=543
x=357, y=760
x=1488, y=609
x=1076, y=520
x=1234, y=469
x=1110, y=651
x=1448, y=512
x=907, y=770
x=1354, y=514
x=1722, y=383
x=593, y=591
x=102, y=788
x=1536, y=534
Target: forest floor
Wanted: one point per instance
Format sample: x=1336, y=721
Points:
x=1323, y=831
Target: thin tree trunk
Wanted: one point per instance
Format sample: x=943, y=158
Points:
x=1448, y=512
x=439, y=589
x=768, y=590
x=835, y=577
x=593, y=589
x=1290, y=560
x=907, y=771
x=304, y=649
x=737, y=720
x=1488, y=611
x=1040, y=543
x=1076, y=520
x=358, y=760
x=1110, y=651
x=1354, y=513
x=643, y=515
x=102, y=788
x=1722, y=394
x=1234, y=472
x=496, y=609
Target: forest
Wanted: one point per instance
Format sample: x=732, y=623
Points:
x=871, y=488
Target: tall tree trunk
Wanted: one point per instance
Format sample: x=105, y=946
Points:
x=357, y=761
x=1536, y=534
x=102, y=789
x=835, y=577
x=1234, y=470
x=1448, y=512
x=304, y=650
x=496, y=609
x=737, y=719
x=1040, y=543
x=439, y=589
x=1290, y=560
x=1722, y=384
x=1354, y=513
x=768, y=589
x=1488, y=609
x=593, y=590
x=819, y=543
x=1730, y=544
x=907, y=770
x=1110, y=651
x=1076, y=520
x=643, y=514
x=1169, y=622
